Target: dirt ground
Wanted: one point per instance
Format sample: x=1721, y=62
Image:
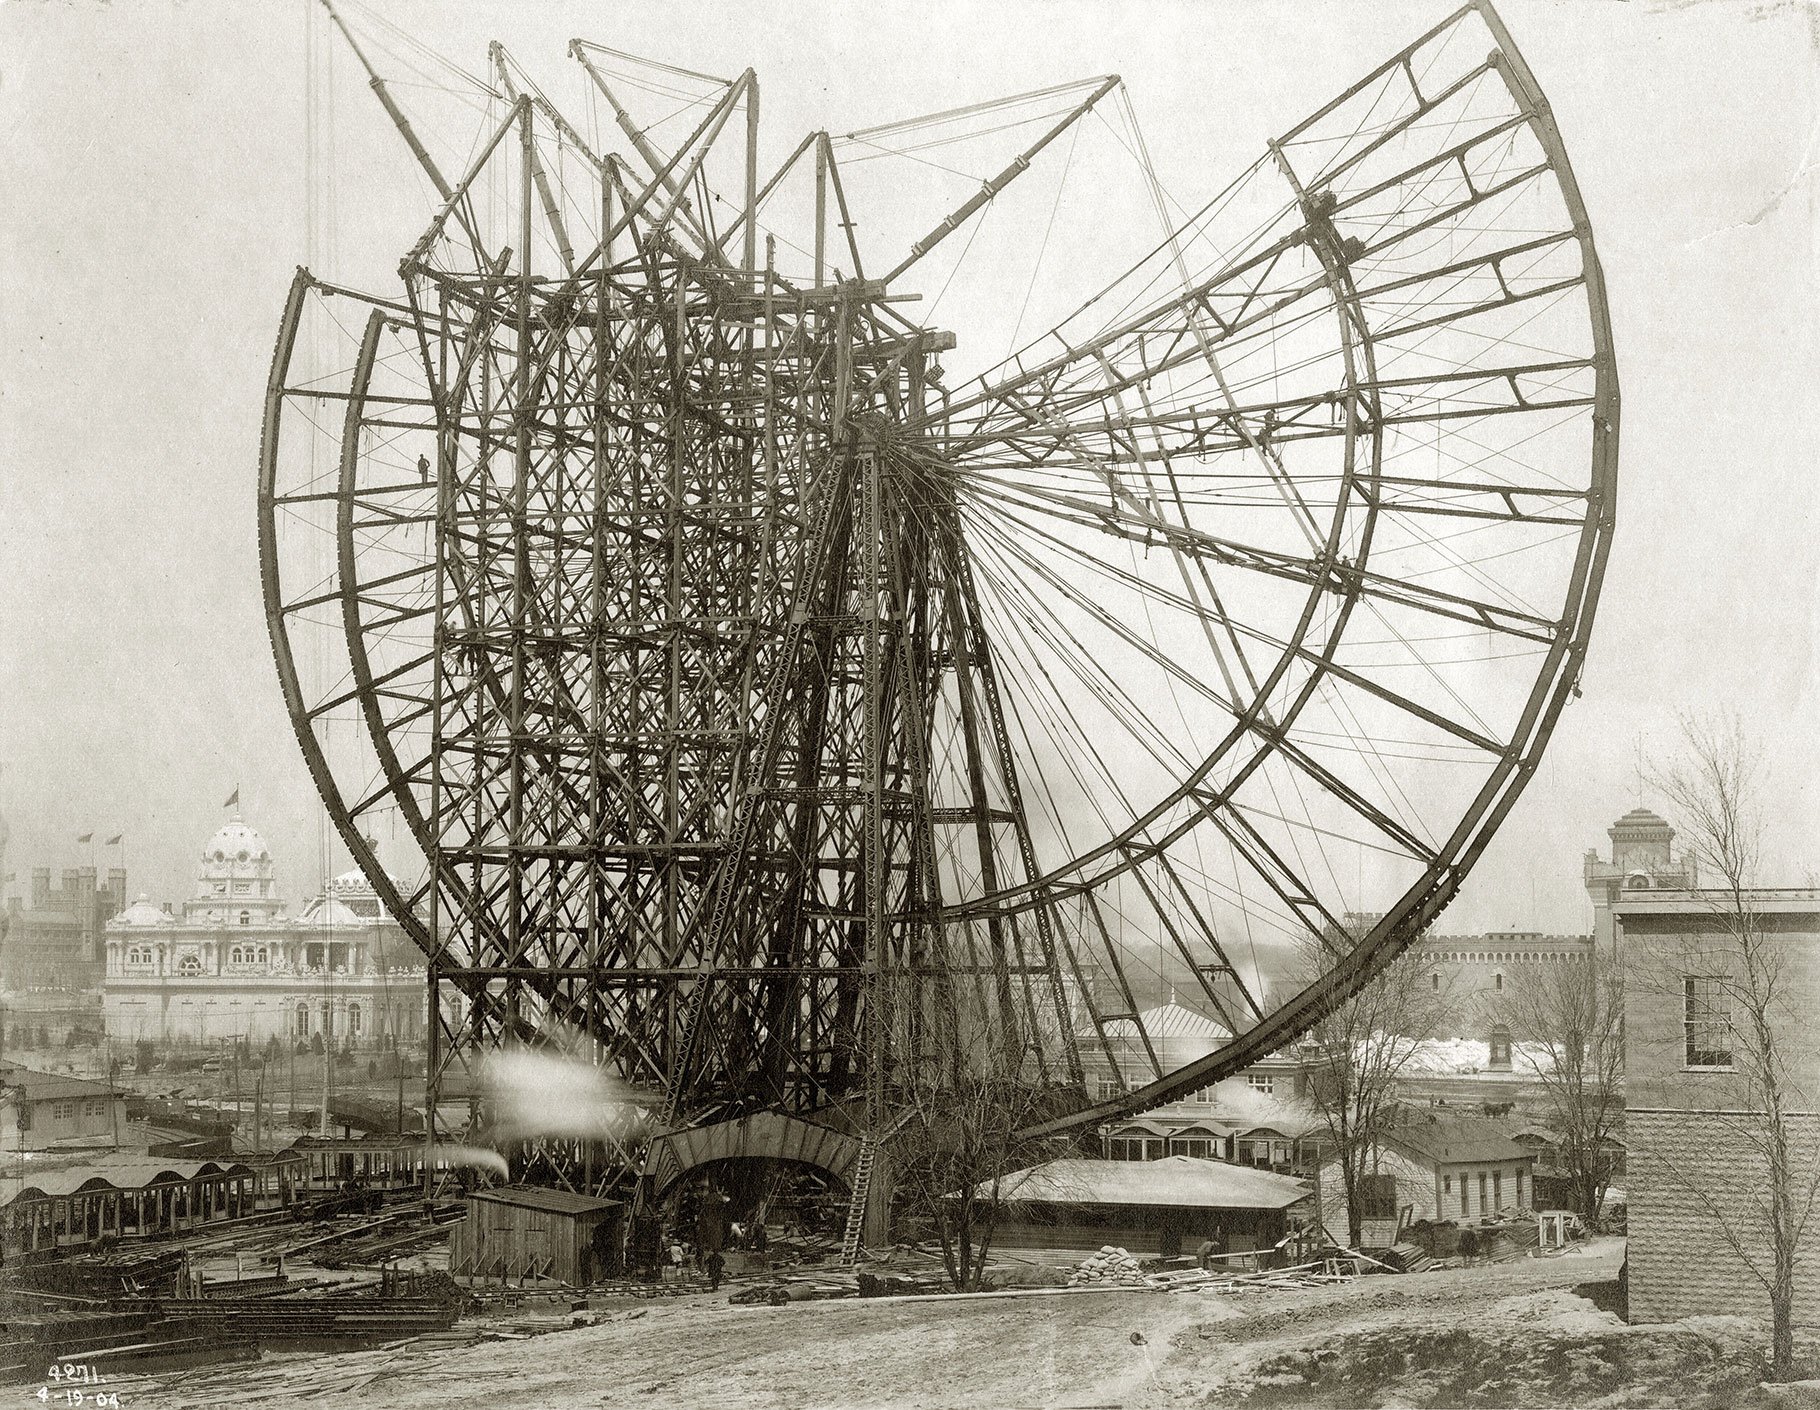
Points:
x=1515, y=1335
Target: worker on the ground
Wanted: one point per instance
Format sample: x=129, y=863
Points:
x=711, y=1234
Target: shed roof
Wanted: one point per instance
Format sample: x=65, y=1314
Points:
x=122, y=1175
x=50, y=1086
x=536, y=1197
x=1458, y=1141
x=1180, y=1181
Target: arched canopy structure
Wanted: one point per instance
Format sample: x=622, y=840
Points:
x=764, y=1135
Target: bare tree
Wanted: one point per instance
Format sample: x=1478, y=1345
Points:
x=1569, y=1019
x=953, y=1144
x=1356, y=1053
x=1741, y=1013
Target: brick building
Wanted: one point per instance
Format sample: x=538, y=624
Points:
x=53, y=937
x=1692, y=1124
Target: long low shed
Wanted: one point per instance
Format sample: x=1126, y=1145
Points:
x=1150, y=1207
x=124, y=1199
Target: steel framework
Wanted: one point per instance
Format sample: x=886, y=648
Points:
x=774, y=718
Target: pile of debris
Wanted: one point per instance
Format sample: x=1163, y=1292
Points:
x=1110, y=1267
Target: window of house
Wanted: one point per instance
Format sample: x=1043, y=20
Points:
x=246, y=917
x=1378, y=1196
x=1497, y=981
x=65, y=1110
x=1708, y=1015
x=1482, y=1205
x=1108, y=1087
x=1434, y=981
x=1497, y=1189
x=1447, y=1184
x=1262, y=1081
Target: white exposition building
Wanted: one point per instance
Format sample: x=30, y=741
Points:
x=233, y=964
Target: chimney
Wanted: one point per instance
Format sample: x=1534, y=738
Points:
x=41, y=888
x=1499, y=1059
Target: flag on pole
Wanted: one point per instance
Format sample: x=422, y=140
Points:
x=116, y=839
x=233, y=799
x=86, y=837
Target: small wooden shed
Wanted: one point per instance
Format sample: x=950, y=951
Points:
x=522, y=1231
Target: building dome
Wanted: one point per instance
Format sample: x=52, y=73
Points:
x=351, y=883
x=1641, y=819
x=234, y=881
x=142, y=914
x=236, y=842
x=352, y=892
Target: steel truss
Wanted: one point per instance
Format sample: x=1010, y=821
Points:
x=768, y=714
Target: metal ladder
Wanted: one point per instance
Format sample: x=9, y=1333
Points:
x=856, y=1207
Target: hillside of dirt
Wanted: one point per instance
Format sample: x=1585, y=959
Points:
x=1516, y=1334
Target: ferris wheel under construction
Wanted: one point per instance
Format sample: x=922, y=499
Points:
x=774, y=713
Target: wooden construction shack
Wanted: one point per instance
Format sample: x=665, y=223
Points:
x=519, y=1232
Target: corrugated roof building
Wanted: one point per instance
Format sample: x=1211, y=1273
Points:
x=1149, y=1208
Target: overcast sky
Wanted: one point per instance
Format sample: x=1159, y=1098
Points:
x=154, y=210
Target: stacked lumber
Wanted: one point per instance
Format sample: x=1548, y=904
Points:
x=1409, y=1258
x=314, y=1318
x=1110, y=1267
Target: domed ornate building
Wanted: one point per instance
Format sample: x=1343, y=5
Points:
x=233, y=964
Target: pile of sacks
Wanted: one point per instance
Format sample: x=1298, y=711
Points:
x=1110, y=1267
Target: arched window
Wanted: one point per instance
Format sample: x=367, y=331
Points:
x=189, y=964
x=1497, y=981
x=263, y=954
x=246, y=917
x=1434, y=981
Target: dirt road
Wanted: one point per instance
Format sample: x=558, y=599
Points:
x=1513, y=1334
